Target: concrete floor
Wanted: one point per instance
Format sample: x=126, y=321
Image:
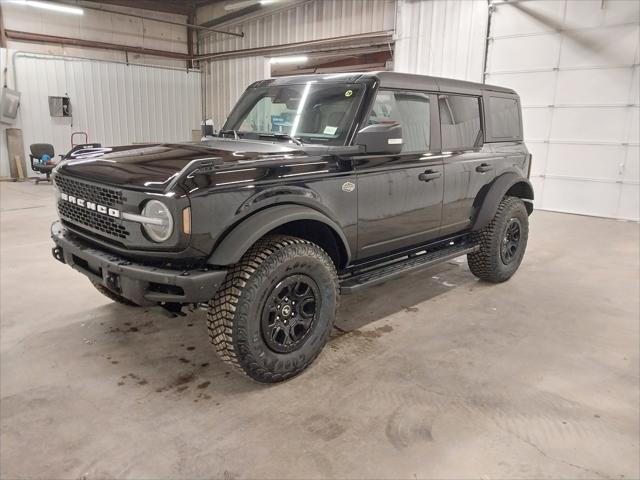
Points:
x=439, y=376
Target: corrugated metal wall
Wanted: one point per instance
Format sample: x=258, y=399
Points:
x=442, y=38
x=225, y=80
x=114, y=103
x=304, y=21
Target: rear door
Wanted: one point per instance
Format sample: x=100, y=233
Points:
x=469, y=165
x=400, y=196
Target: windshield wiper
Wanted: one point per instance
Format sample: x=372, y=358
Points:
x=236, y=133
x=281, y=136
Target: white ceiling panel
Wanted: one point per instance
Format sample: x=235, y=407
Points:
x=589, y=124
x=594, y=86
x=583, y=197
x=602, y=46
x=590, y=161
x=507, y=53
x=536, y=123
x=526, y=17
x=535, y=88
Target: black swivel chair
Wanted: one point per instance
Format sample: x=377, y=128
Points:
x=39, y=150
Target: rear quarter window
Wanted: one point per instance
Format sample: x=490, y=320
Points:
x=504, y=116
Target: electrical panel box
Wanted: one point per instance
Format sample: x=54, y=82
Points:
x=9, y=103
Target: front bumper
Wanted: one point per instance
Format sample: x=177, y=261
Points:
x=142, y=284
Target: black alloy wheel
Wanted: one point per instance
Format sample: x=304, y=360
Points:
x=289, y=315
x=510, y=241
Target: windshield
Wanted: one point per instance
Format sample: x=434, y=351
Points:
x=309, y=113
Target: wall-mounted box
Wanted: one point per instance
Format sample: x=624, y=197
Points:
x=9, y=103
x=60, y=106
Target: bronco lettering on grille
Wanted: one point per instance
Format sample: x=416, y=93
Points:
x=81, y=202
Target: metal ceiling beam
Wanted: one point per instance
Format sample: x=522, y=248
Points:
x=77, y=42
x=180, y=8
x=171, y=22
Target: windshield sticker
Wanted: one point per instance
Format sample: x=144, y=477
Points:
x=330, y=130
x=348, y=93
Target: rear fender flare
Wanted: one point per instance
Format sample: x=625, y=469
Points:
x=498, y=189
x=241, y=237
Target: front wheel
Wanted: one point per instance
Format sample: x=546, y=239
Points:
x=502, y=242
x=274, y=312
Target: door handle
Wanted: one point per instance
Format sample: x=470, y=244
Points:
x=429, y=175
x=484, y=167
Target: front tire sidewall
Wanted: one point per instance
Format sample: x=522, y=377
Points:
x=255, y=356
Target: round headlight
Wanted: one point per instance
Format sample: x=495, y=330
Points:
x=160, y=225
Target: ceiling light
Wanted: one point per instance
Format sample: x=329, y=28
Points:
x=294, y=59
x=55, y=7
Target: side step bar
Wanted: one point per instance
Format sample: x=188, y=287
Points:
x=415, y=262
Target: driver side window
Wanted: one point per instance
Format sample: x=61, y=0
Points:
x=411, y=110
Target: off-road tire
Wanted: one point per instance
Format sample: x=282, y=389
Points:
x=487, y=263
x=114, y=296
x=235, y=313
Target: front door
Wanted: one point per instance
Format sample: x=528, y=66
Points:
x=400, y=196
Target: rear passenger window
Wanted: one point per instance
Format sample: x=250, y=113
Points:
x=504, y=118
x=409, y=109
x=460, y=122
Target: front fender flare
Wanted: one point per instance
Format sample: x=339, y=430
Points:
x=236, y=243
x=494, y=195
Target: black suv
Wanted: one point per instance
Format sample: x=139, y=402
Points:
x=315, y=186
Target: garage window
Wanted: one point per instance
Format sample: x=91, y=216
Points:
x=460, y=122
x=411, y=110
x=505, y=118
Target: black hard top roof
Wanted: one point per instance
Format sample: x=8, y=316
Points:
x=393, y=80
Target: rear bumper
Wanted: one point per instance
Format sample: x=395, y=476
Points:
x=142, y=284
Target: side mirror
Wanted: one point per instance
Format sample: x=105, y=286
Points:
x=381, y=138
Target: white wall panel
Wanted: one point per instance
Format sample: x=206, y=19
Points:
x=508, y=54
x=442, y=38
x=594, y=87
x=114, y=103
x=575, y=65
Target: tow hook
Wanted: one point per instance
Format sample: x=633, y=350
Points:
x=173, y=309
x=57, y=254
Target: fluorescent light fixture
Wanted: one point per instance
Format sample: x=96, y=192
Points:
x=293, y=59
x=54, y=7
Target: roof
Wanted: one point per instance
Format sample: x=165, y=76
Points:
x=408, y=81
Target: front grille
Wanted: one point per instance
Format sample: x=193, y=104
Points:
x=102, y=223
x=99, y=223
x=93, y=193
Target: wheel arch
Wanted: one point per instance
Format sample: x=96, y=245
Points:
x=510, y=184
x=290, y=219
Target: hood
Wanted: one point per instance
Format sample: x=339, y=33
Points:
x=154, y=166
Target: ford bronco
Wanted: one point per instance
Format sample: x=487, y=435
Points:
x=315, y=186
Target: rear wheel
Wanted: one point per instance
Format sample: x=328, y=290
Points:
x=114, y=296
x=502, y=242
x=274, y=312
